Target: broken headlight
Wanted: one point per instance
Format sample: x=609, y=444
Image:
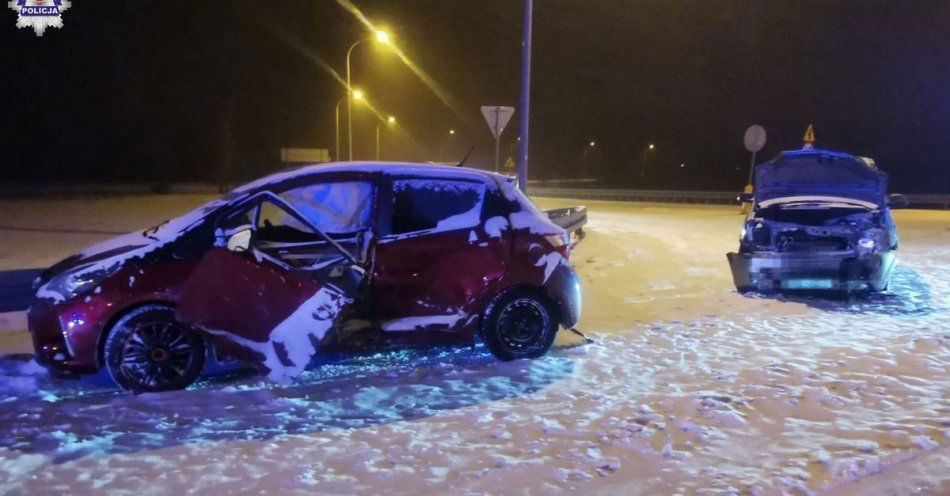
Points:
x=870, y=241
x=68, y=284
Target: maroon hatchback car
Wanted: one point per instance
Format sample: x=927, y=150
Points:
x=340, y=257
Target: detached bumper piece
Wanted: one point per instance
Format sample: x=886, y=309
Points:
x=816, y=271
x=572, y=220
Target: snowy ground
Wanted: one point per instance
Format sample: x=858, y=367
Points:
x=689, y=388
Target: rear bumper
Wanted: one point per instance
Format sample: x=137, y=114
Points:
x=564, y=288
x=835, y=271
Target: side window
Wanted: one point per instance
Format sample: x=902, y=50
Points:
x=497, y=205
x=335, y=208
x=433, y=204
x=275, y=224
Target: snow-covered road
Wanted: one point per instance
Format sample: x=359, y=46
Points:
x=689, y=387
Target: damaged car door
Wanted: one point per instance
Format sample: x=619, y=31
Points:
x=261, y=306
x=434, y=258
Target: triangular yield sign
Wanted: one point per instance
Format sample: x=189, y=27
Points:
x=497, y=118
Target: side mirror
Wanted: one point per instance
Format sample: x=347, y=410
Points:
x=745, y=197
x=897, y=200
x=240, y=241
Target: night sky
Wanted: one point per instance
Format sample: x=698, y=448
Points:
x=149, y=91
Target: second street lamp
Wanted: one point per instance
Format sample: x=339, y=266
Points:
x=392, y=122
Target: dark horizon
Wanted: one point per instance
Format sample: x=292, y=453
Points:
x=186, y=91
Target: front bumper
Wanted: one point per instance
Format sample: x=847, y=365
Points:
x=844, y=270
x=64, y=337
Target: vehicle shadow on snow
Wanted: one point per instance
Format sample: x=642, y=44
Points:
x=907, y=295
x=67, y=419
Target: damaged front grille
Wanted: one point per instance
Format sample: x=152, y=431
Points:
x=799, y=241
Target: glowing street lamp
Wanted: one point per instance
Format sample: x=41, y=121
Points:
x=651, y=146
x=593, y=143
x=451, y=131
x=389, y=120
x=381, y=37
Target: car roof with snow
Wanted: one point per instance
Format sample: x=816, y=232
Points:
x=388, y=168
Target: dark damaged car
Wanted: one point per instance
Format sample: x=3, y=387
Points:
x=340, y=257
x=820, y=220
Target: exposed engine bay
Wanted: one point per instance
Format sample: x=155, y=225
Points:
x=813, y=226
x=815, y=243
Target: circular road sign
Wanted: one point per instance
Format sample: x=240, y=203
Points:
x=754, y=138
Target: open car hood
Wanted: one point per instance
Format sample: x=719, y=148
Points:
x=822, y=173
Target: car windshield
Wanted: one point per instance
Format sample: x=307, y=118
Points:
x=174, y=227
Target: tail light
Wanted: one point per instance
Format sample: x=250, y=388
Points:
x=560, y=242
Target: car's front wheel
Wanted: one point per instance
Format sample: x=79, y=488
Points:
x=519, y=323
x=147, y=350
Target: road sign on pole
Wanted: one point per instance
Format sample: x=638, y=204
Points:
x=754, y=141
x=809, y=138
x=497, y=118
x=754, y=138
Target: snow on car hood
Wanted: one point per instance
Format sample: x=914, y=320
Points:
x=822, y=173
x=103, y=259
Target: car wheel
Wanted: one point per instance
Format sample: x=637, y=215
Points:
x=147, y=350
x=519, y=323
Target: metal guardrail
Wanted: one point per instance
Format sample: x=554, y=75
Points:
x=16, y=289
x=924, y=201
x=12, y=190
x=35, y=190
x=640, y=195
x=940, y=202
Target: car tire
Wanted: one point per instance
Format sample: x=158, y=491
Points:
x=148, y=350
x=519, y=323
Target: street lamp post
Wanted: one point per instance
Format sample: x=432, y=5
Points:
x=442, y=143
x=336, y=117
x=390, y=120
x=357, y=95
x=590, y=146
x=382, y=37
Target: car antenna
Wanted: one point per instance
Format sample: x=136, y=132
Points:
x=462, y=162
